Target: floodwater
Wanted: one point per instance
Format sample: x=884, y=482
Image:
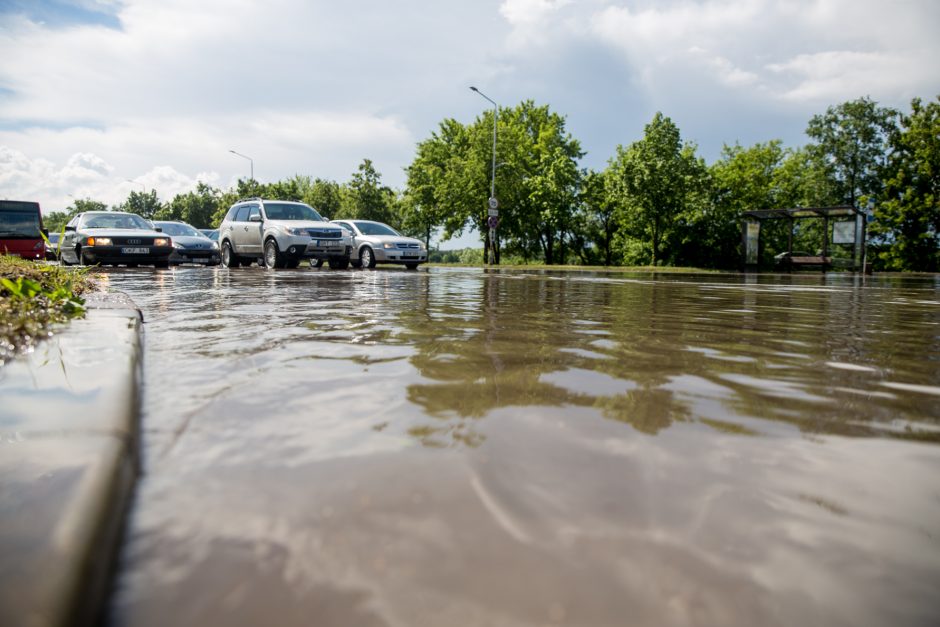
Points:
x=467, y=447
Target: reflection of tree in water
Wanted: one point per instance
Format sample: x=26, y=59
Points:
x=647, y=410
x=498, y=354
x=723, y=354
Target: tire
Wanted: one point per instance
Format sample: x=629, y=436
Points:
x=82, y=261
x=411, y=266
x=355, y=263
x=291, y=263
x=316, y=263
x=366, y=257
x=339, y=264
x=229, y=258
x=272, y=256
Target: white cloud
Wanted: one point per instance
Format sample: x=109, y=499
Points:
x=519, y=12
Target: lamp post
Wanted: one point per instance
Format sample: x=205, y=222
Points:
x=493, y=204
x=250, y=161
x=143, y=188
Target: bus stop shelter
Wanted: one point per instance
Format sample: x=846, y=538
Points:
x=842, y=224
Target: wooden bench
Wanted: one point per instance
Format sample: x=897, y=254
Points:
x=797, y=262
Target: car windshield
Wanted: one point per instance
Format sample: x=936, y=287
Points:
x=180, y=230
x=210, y=233
x=53, y=238
x=375, y=228
x=290, y=211
x=115, y=221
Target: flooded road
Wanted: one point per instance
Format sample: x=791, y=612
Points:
x=460, y=447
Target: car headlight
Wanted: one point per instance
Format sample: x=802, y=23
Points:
x=215, y=246
x=389, y=245
x=422, y=246
x=292, y=230
x=98, y=241
x=161, y=241
x=178, y=246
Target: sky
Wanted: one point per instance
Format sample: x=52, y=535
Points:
x=99, y=98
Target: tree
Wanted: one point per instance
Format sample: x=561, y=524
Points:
x=143, y=204
x=655, y=180
x=909, y=217
x=598, y=211
x=366, y=198
x=324, y=196
x=852, y=138
x=197, y=207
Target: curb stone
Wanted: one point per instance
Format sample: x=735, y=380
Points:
x=69, y=458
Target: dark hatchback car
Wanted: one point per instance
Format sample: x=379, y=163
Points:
x=189, y=244
x=113, y=238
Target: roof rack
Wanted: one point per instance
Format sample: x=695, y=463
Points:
x=249, y=198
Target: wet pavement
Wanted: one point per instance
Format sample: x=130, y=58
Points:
x=460, y=447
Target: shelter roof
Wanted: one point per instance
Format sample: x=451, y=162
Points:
x=804, y=212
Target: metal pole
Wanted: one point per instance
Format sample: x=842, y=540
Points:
x=492, y=233
x=250, y=161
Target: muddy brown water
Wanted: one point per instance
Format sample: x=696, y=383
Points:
x=461, y=447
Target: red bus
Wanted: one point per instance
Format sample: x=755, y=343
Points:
x=21, y=229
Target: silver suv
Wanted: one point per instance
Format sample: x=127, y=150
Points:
x=281, y=233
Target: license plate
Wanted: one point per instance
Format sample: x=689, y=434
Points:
x=135, y=251
x=200, y=260
x=327, y=243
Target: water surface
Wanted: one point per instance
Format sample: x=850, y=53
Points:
x=460, y=447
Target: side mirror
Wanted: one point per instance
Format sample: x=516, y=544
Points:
x=70, y=228
x=158, y=229
x=325, y=218
x=254, y=218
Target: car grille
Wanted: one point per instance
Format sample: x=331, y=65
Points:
x=408, y=246
x=132, y=241
x=325, y=233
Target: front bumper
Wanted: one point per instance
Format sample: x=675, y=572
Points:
x=200, y=257
x=309, y=248
x=120, y=254
x=396, y=255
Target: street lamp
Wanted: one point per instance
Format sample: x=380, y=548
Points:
x=493, y=204
x=250, y=161
x=143, y=188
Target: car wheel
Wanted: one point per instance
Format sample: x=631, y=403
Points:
x=339, y=264
x=272, y=256
x=229, y=259
x=411, y=266
x=367, y=257
x=316, y=263
x=82, y=259
x=355, y=263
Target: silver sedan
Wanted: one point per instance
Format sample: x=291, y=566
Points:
x=377, y=242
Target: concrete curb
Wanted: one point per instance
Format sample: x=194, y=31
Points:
x=69, y=457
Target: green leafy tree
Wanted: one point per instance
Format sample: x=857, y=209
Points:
x=366, y=198
x=908, y=219
x=325, y=196
x=852, y=138
x=655, y=181
x=144, y=204
x=598, y=214
x=197, y=207
x=446, y=179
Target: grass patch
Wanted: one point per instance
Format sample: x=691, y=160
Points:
x=607, y=269
x=34, y=297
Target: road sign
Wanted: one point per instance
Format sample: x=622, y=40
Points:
x=492, y=212
x=493, y=202
x=493, y=222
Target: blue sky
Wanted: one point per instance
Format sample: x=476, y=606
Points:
x=101, y=97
